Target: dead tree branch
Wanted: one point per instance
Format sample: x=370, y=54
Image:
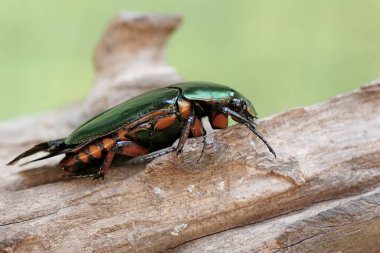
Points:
x=322, y=193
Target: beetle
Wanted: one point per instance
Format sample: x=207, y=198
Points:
x=146, y=126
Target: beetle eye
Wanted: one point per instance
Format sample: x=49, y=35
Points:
x=236, y=102
x=239, y=105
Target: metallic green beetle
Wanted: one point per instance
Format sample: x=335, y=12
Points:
x=147, y=125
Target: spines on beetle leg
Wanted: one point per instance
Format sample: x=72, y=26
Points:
x=54, y=147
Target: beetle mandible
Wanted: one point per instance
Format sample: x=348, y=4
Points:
x=150, y=122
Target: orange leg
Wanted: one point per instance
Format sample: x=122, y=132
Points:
x=197, y=128
x=127, y=148
x=165, y=122
x=184, y=136
x=219, y=121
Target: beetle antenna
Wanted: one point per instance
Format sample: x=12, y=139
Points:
x=251, y=125
x=258, y=134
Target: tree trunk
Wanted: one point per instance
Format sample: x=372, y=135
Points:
x=223, y=194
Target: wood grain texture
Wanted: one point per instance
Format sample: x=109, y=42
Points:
x=223, y=194
x=350, y=224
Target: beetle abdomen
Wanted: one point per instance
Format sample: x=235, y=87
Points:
x=97, y=151
x=87, y=154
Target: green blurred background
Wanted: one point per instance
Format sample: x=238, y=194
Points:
x=281, y=54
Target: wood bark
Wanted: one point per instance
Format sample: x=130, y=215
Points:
x=225, y=193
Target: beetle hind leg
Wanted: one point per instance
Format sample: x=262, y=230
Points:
x=126, y=148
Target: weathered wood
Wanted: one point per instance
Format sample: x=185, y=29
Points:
x=328, y=170
x=350, y=224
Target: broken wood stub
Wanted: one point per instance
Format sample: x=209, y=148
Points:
x=124, y=71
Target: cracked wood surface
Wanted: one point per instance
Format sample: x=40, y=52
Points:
x=320, y=194
x=350, y=224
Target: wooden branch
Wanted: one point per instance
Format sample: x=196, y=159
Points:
x=322, y=193
x=350, y=224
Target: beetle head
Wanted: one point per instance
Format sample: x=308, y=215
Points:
x=242, y=111
x=241, y=105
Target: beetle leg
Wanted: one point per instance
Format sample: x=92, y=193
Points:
x=218, y=120
x=250, y=124
x=185, y=133
x=197, y=129
x=203, y=148
x=70, y=176
x=129, y=148
x=149, y=157
x=184, y=136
